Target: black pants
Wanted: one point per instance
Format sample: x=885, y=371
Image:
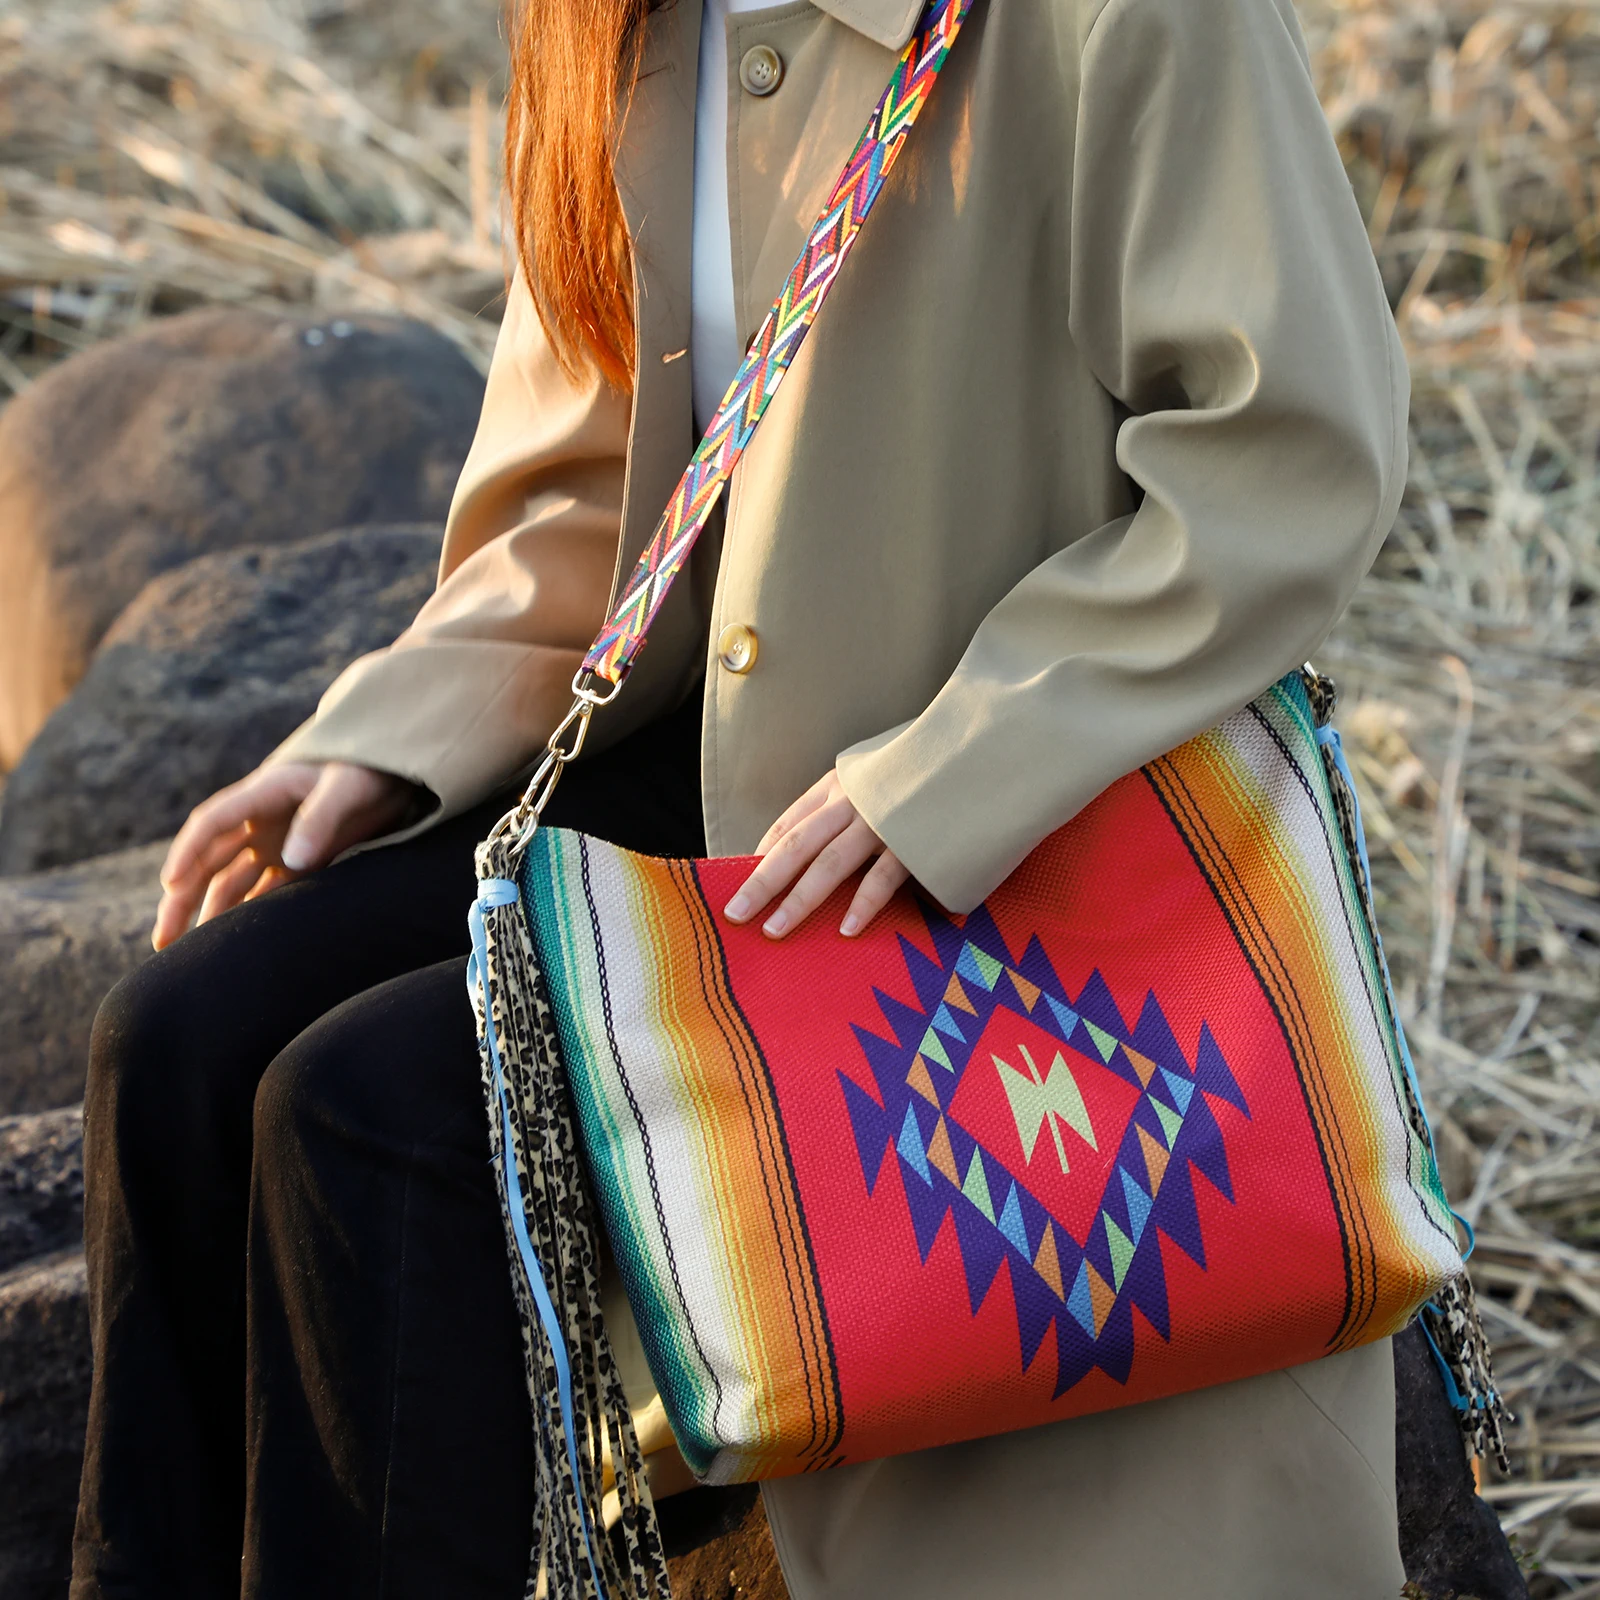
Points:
x=306, y=1354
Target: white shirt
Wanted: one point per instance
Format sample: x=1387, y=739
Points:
x=714, y=347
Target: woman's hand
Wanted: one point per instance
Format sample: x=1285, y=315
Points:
x=822, y=840
x=282, y=821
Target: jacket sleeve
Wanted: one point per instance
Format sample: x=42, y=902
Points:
x=470, y=691
x=1224, y=292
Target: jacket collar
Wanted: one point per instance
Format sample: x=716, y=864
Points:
x=886, y=22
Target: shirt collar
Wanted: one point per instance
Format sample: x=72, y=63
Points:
x=886, y=22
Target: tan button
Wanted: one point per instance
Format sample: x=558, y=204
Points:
x=761, y=71
x=736, y=647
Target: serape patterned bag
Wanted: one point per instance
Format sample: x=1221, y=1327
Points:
x=1144, y=1122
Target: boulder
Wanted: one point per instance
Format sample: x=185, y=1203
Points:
x=44, y=1406
x=44, y=1349
x=204, y=432
x=718, y=1546
x=204, y=674
x=1451, y=1542
x=41, y=1184
x=65, y=938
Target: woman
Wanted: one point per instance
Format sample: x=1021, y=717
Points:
x=1101, y=426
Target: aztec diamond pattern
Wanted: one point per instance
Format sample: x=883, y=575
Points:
x=1088, y=1287
x=777, y=342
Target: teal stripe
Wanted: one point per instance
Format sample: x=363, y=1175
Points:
x=1288, y=709
x=554, y=896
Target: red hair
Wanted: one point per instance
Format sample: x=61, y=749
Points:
x=573, y=67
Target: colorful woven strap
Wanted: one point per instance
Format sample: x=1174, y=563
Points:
x=777, y=343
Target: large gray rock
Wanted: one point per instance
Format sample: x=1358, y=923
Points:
x=719, y=1547
x=44, y=1405
x=41, y=1184
x=204, y=673
x=65, y=938
x=1450, y=1540
x=210, y=431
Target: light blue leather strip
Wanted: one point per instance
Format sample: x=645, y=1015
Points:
x=1452, y=1389
x=493, y=892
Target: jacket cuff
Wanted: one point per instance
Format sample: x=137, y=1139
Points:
x=895, y=781
x=459, y=719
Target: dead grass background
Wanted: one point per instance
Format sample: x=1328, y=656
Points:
x=159, y=154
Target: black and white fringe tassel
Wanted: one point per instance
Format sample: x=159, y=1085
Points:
x=1461, y=1348
x=580, y=1414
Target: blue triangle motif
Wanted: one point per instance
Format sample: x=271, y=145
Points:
x=1097, y=1005
x=968, y=968
x=929, y=1204
x=1080, y=1302
x=1064, y=1015
x=910, y=1146
x=1146, y=1287
x=1139, y=1204
x=1182, y=1089
x=946, y=1024
x=1010, y=1223
x=1076, y=1352
x=1179, y=1219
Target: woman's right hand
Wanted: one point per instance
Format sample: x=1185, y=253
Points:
x=284, y=820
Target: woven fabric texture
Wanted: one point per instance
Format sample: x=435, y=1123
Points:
x=1141, y=1123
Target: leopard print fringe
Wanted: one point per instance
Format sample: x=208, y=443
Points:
x=1451, y=1319
x=564, y=1231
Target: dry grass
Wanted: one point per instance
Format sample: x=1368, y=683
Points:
x=158, y=154
x=161, y=153
x=1472, y=682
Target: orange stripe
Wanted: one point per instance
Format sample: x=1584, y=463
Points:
x=1205, y=789
x=768, y=1265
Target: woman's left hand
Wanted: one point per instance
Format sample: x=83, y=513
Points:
x=821, y=840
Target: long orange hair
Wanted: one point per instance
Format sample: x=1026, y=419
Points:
x=573, y=67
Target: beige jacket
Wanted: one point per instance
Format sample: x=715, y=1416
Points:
x=1099, y=430
x=1093, y=440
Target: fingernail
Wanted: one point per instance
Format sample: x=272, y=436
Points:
x=850, y=926
x=776, y=923
x=295, y=855
x=738, y=908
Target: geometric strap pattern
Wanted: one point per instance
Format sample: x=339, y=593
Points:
x=777, y=342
